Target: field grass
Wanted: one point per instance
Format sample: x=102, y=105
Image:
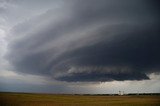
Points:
x=24, y=99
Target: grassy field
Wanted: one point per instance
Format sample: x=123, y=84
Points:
x=24, y=99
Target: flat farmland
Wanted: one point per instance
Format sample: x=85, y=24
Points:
x=29, y=99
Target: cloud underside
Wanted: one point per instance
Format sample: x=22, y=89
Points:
x=89, y=42
x=101, y=74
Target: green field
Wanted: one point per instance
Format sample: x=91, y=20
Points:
x=24, y=99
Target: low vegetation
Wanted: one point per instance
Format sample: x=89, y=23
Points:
x=28, y=99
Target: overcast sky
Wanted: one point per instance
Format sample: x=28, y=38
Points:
x=79, y=46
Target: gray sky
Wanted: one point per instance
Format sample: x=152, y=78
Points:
x=79, y=46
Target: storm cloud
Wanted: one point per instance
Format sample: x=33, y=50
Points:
x=89, y=41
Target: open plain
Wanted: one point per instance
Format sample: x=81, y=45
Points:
x=29, y=99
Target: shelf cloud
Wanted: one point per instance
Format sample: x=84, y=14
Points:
x=88, y=41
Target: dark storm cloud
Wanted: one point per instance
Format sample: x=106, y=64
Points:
x=89, y=41
x=95, y=74
x=139, y=52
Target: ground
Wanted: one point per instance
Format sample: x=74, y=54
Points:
x=29, y=99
